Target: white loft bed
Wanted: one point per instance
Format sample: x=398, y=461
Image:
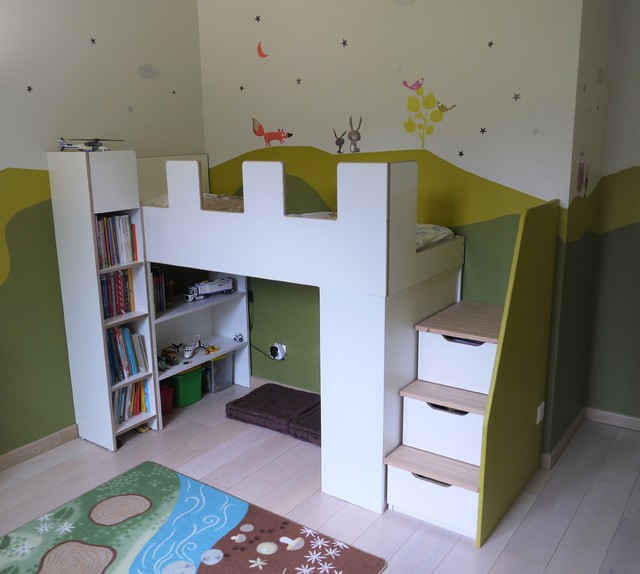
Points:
x=373, y=284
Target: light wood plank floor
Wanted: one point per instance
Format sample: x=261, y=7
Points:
x=581, y=517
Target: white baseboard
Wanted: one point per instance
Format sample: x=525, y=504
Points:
x=613, y=419
x=549, y=459
x=37, y=447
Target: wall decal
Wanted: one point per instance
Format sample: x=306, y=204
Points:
x=257, y=19
x=415, y=84
x=93, y=40
x=279, y=135
x=261, y=52
x=490, y=44
x=483, y=131
x=354, y=135
x=29, y=89
x=344, y=43
x=340, y=140
x=425, y=111
x=444, y=108
x=516, y=96
x=148, y=72
x=583, y=175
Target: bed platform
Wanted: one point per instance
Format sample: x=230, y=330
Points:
x=374, y=286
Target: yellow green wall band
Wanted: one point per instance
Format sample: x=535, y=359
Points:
x=19, y=189
x=447, y=194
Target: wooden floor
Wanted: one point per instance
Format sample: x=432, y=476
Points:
x=581, y=517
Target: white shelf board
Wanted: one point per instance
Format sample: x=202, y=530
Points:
x=224, y=344
x=181, y=307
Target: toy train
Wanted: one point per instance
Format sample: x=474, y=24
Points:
x=204, y=289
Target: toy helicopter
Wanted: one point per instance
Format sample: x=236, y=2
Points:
x=88, y=145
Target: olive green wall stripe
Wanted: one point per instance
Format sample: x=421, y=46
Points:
x=36, y=388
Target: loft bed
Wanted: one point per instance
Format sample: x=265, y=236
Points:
x=374, y=286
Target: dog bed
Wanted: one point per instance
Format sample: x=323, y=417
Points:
x=272, y=406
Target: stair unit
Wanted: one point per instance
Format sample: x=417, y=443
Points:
x=435, y=474
x=472, y=420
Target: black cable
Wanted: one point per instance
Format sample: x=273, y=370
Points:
x=251, y=314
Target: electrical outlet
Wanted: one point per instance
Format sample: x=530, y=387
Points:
x=278, y=351
x=540, y=413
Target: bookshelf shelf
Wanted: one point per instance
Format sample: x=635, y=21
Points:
x=125, y=318
x=100, y=247
x=220, y=321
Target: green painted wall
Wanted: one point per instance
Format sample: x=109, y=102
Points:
x=288, y=314
x=34, y=372
x=614, y=378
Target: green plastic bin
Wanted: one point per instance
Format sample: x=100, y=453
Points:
x=188, y=387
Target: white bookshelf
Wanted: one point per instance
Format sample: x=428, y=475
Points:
x=84, y=187
x=220, y=321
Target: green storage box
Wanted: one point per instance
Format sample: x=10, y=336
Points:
x=188, y=387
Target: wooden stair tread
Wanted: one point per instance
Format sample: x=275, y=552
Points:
x=451, y=397
x=467, y=320
x=434, y=466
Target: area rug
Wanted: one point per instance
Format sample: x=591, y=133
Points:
x=153, y=520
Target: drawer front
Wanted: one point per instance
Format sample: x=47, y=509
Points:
x=447, y=506
x=455, y=364
x=428, y=427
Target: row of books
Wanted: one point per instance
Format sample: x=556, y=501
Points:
x=162, y=291
x=126, y=352
x=116, y=240
x=117, y=293
x=130, y=401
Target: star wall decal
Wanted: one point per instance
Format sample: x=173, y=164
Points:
x=29, y=89
x=490, y=44
x=344, y=43
x=298, y=81
x=516, y=96
x=460, y=153
x=242, y=88
x=93, y=40
x=257, y=19
x=483, y=131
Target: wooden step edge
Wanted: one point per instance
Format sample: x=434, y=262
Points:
x=452, y=397
x=435, y=467
x=467, y=320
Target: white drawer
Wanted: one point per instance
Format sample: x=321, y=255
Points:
x=457, y=364
x=451, y=507
x=428, y=427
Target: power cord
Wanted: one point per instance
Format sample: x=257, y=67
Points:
x=251, y=316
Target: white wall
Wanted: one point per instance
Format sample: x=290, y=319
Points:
x=591, y=97
x=527, y=144
x=623, y=120
x=139, y=81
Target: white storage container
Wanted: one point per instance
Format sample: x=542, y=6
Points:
x=456, y=362
x=448, y=506
x=451, y=433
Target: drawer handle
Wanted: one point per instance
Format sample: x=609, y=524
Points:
x=449, y=410
x=431, y=480
x=462, y=341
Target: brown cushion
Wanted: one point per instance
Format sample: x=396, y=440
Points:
x=307, y=426
x=272, y=406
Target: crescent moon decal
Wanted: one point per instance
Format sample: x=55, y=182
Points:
x=261, y=51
